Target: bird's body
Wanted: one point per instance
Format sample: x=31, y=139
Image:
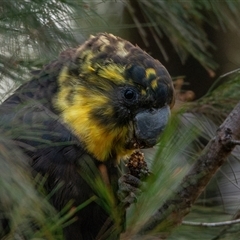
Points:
x=84, y=112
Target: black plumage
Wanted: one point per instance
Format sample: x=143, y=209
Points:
x=64, y=151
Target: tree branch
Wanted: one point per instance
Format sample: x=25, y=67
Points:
x=171, y=213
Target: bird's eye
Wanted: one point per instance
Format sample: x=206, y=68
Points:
x=129, y=94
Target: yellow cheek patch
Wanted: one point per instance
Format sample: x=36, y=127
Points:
x=100, y=140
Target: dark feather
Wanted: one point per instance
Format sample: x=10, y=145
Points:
x=54, y=151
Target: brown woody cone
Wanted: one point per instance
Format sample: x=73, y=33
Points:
x=137, y=165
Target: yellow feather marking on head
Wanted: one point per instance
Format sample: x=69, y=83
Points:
x=150, y=71
x=104, y=39
x=143, y=92
x=112, y=72
x=63, y=76
x=65, y=82
x=91, y=69
x=154, y=84
x=150, y=74
x=121, y=50
x=63, y=95
x=86, y=66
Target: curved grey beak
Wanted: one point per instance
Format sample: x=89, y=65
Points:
x=149, y=124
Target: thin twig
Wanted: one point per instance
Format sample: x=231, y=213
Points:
x=212, y=224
